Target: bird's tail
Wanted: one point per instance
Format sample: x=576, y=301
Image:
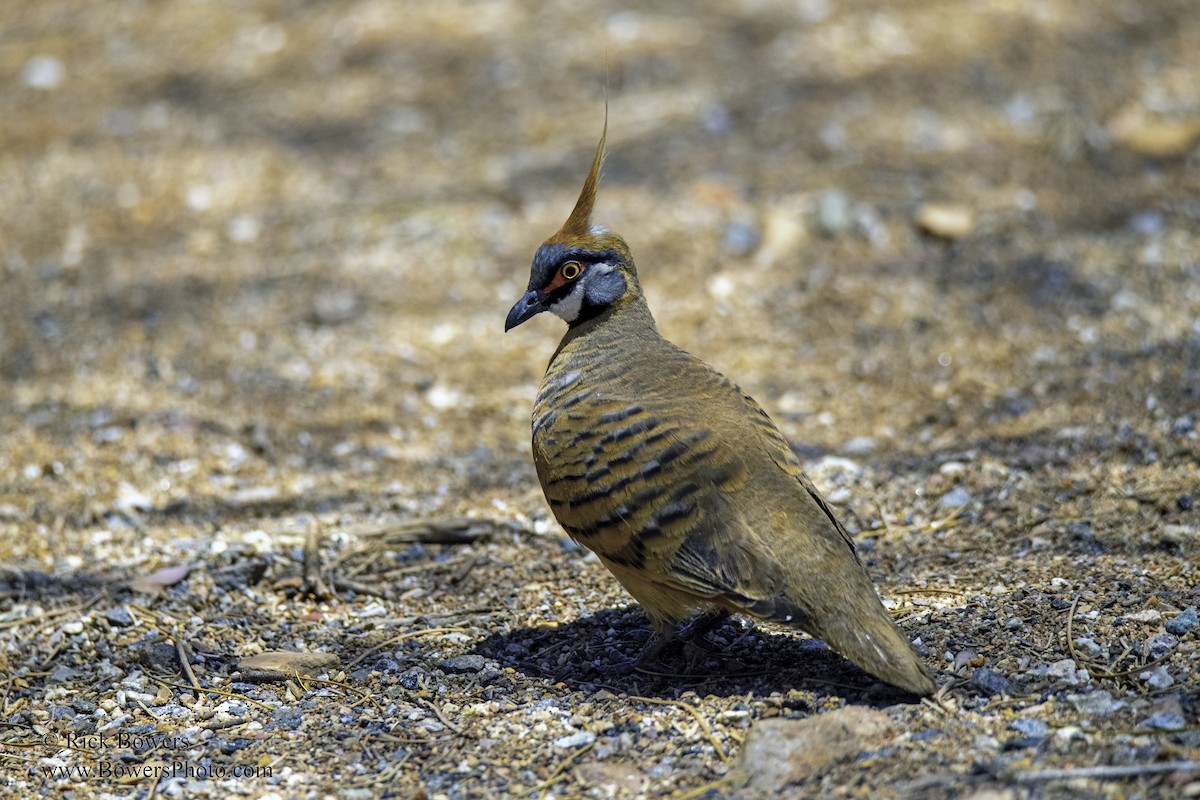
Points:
x=868, y=637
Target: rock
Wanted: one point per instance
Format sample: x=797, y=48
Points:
x=741, y=238
x=783, y=235
x=955, y=498
x=1157, y=678
x=945, y=221
x=463, y=665
x=1135, y=129
x=992, y=793
x=611, y=779
x=1096, y=704
x=1183, y=622
x=413, y=679
x=1166, y=714
x=63, y=674
x=1162, y=644
x=833, y=212
x=965, y=658
x=989, y=681
x=871, y=226
x=161, y=657
x=859, y=446
x=119, y=617
x=574, y=740
x=1065, y=671
x=243, y=228
x=782, y=752
x=1168, y=721
x=131, y=501
x=43, y=72
x=334, y=308
x=1033, y=728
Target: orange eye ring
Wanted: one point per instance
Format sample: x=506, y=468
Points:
x=571, y=270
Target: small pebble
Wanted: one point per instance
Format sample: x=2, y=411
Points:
x=59, y=713
x=741, y=239
x=62, y=674
x=1162, y=644
x=859, y=446
x=334, y=308
x=1068, y=734
x=833, y=212
x=43, y=72
x=1033, y=728
x=412, y=679
x=990, y=682
x=945, y=221
x=1157, y=678
x=1148, y=223
x=955, y=498
x=1167, y=721
x=1096, y=704
x=1183, y=622
x=462, y=665
x=574, y=740
x=243, y=229
x=1065, y=671
x=119, y=617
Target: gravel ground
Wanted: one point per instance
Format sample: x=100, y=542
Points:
x=268, y=521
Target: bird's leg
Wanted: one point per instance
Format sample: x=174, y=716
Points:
x=659, y=641
x=694, y=632
x=703, y=624
x=666, y=635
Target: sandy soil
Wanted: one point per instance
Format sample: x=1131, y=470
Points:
x=255, y=260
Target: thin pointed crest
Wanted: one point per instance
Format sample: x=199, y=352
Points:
x=579, y=223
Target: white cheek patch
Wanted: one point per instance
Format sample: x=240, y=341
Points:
x=568, y=308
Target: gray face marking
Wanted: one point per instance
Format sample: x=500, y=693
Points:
x=599, y=286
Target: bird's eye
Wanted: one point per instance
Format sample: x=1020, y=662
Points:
x=570, y=270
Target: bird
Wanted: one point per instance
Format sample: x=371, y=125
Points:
x=678, y=480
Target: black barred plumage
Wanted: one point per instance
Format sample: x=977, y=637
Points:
x=676, y=478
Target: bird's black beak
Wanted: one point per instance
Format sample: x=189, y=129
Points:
x=530, y=304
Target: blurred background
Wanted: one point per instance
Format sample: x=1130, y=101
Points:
x=261, y=252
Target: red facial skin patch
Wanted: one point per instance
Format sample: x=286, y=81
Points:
x=558, y=281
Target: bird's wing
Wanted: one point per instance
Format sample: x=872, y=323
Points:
x=667, y=468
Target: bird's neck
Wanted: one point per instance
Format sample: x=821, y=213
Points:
x=624, y=322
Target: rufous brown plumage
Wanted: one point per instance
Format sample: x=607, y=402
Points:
x=675, y=478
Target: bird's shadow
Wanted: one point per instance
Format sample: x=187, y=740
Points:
x=737, y=657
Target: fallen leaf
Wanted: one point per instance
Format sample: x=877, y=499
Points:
x=158, y=580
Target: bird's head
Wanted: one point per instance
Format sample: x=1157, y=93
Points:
x=583, y=269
